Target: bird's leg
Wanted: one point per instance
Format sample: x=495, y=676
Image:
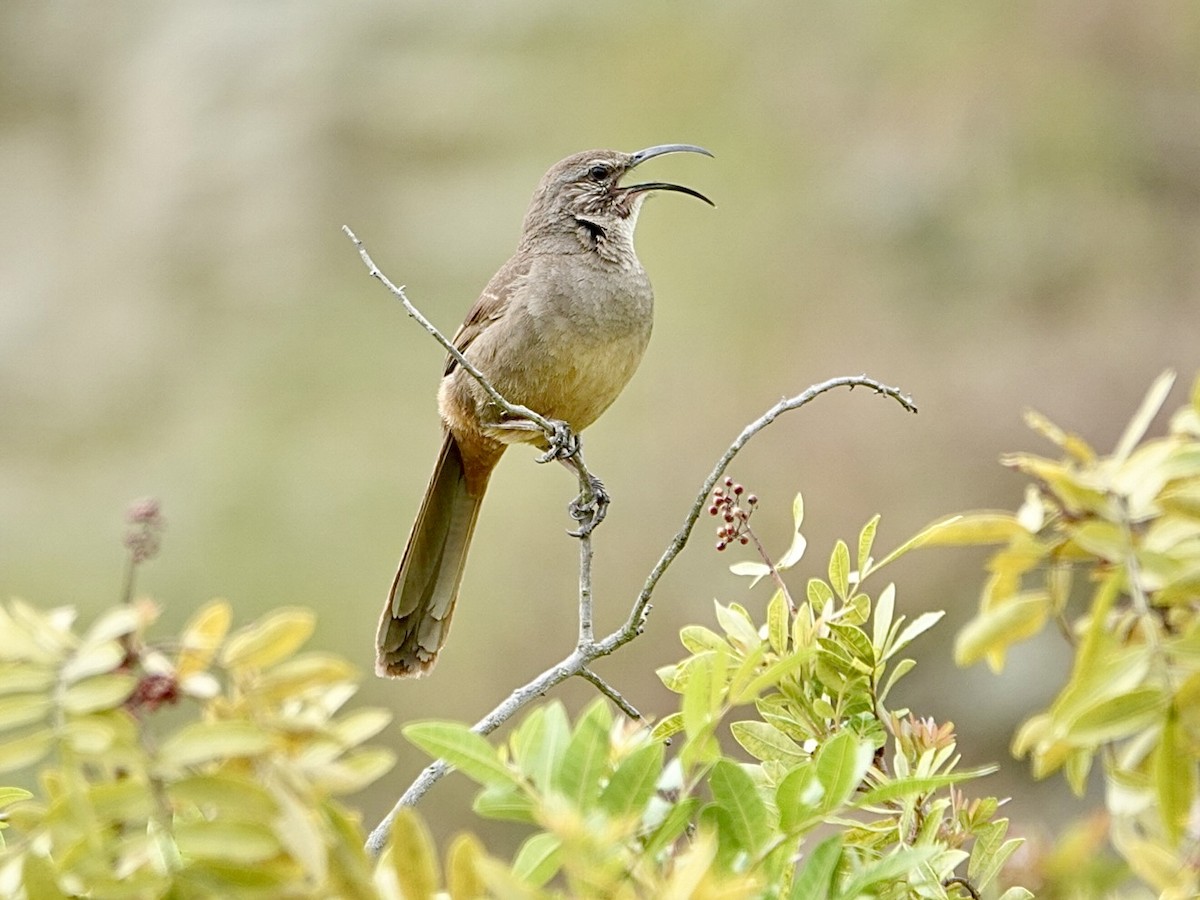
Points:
x=563, y=443
x=590, y=507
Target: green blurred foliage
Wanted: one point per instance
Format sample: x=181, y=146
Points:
x=240, y=800
x=989, y=204
x=1107, y=547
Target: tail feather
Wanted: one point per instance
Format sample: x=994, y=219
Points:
x=416, y=620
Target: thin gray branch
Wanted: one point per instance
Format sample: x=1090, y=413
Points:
x=611, y=693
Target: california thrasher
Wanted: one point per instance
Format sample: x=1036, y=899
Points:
x=559, y=329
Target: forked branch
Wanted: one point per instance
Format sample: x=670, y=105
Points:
x=588, y=649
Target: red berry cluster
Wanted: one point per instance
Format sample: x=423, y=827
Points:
x=726, y=503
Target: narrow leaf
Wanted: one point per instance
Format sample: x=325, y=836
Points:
x=273, y=638
x=633, y=783
x=586, y=759
x=866, y=539
x=815, y=880
x=538, y=859
x=839, y=569
x=734, y=791
x=462, y=748
x=1151, y=404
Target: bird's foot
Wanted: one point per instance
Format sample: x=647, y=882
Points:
x=563, y=443
x=589, y=508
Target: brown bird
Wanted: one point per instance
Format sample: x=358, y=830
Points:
x=559, y=329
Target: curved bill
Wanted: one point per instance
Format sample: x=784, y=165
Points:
x=636, y=159
x=666, y=186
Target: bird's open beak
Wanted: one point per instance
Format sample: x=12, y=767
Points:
x=636, y=159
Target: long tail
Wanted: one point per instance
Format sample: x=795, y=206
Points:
x=416, y=619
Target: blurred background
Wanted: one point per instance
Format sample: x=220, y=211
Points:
x=992, y=205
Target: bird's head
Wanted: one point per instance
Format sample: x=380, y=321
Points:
x=583, y=195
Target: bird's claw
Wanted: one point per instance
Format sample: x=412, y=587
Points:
x=563, y=442
x=589, y=508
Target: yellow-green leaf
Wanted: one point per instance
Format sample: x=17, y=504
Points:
x=1151, y=404
x=839, y=569
x=462, y=875
x=538, y=859
x=93, y=659
x=236, y=842
x=98, y=692
x=992, y=632
x=410, y=854
x=203, y=741
x=26, y=750
x=273, y=638
x=22, y=709
x=462, y=748
x=202, y=636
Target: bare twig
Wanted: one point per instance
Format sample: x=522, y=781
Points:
x=611, y=693
x=577, y=663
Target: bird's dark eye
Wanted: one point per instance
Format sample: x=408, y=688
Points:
x=599, y=172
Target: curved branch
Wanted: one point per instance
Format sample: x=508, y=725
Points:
x=578, y=661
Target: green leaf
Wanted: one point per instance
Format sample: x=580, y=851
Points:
x=915, y=786
x=766, y=742
x=232, y=797
x=866, y=538
x=990, y=852
x=1150, y=405
x=538, y=859
x=673, y=824
x=539, y=741
x=734, y=791
x=1119, y=716
x=885, y=609
x=585, y=761
x=462, y=748
x=902, y=668
x=698, y=639
x=23, y=678
x=203, y=741
x=819, y=594
x=10, y=795
x=736, y=623
x=815, y=880
x=232, y=842
x=796, y=798
x=633, y=783
x=667, y=726
x=839, y=569
x=994, y=630
x=894, y=865
x=91, y=660
x=98, y=692
x=361, y=725
x=22, y=709
x=1174, y=778
x=841, y=764
x=777, y=623
x=914, y=629
x=505, y=802
x=17, y=753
